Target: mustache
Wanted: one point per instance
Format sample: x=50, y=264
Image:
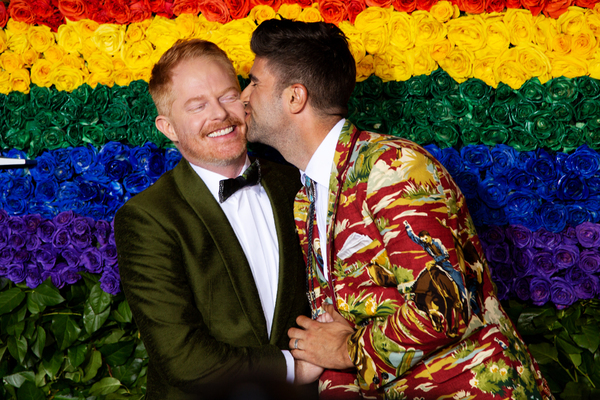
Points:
x=224, y=124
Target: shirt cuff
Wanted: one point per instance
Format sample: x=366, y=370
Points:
x=289, y=362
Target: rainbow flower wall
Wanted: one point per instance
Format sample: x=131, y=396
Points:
x=505, y=93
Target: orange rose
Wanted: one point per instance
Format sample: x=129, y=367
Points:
x=405, y=5
x=353, y=8
x=513, y=4
x=3, y=15
x=333, y=11
x=472, y=6
x=21, y=11
x=301, y=3
x=161, y=8
x=555, y=8
x=425, y=4
x=495, y=6
x=186, y=7
x=140, y=11
x=73, y=9
x=535, y=6
x=238, y=8
x=274, y=4
x=118, y=10
x=379, y=3
x=215, y=11
x=586, y=3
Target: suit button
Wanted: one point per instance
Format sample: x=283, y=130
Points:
x=376, y=380
x=384, y=376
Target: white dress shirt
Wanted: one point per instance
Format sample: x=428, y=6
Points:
x=250, y=214
x=319, y=170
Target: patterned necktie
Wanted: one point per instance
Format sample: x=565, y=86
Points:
x=310, y=290
x=250, y=177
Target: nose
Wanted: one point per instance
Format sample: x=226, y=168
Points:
x=219, y=112
x=245, y=97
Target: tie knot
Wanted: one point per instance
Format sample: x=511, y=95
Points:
x=250, y=177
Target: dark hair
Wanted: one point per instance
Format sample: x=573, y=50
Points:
x=314, y=54
x=424, y=233
x=160, y=86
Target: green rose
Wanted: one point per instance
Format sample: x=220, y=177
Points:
x=138, y=112
x=522, y=110
x=470, y=135
x=587, y=109
x=421, y=134
x=116, y=114
x=418, y=86
x=156, y=136
x=36, y=146
x=14, y=101
x=88, y=115
x=533, y=91
x=53, y=138
x=573, y=137
x=395, y=89
x=554, y=141
x=522, y=140
x=494, y=134
x=14, y=118
x=372, y=87
x=561, y=89
x=40, y=97
x=136, y=133
x=93, y=134
x=588, y=87
x=60, y=120
x=74, y=134
x=71, y=108
x=500, y=113
x=459, y=107
x=115, y=133
x=57, y=99
x=399, y=129
x=562, y=112
x=101, y=96
x=43, y=118
x=592, y=137
x=478, y=115
x=475, y=91
x=17, y=138
x=541, y=124
x=439, y=110
x=138, y=89
x=445, y=134
x=506, y=94
x=82, y=94
x=393, y=110
x=441, y=84
x=417, y=110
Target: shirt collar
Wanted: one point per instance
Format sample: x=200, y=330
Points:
x=319, y=166
x=211, y=179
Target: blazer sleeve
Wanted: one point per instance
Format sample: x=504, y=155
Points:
x=172, y=326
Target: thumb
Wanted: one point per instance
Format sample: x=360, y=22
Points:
x=334, y=314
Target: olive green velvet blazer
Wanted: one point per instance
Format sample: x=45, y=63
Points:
x=190, y=287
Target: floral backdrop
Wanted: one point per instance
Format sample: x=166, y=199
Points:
x=505, y=93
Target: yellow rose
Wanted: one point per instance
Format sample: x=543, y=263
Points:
x=237, y=32
x=3, y=41
x=376, y=40
x=498, y=37
x=561, y=43
x=290, y=11
x=85, y=27
x=136, y=31
x=143, y=74
x=88, y=47
x=508, y=70
x=355, y=43
x=395, y=65
x=520, y=26
x=13, y=26
x=11, y=61
x=40, y=72
x=73, y=61
x=372, y=18
x=137, y=55
x=357, y=49
x=592, y=21
x=428, y=29
x=584, y=44
x=5, y=85
x=123, y=77
x=468, y=32
x=440, y=50
x=262, y=13
x=444, y=11
x=205, y=27
x=544, y=31
x=162, y=33
x=568, y=66
x=572, y=21
x=109, y=38
x=187, y=25
x=55, y=54
x=594, y=68
x=458, y=64
x=534, y=61
x=423, y=63
x=100, y=63
x=402, y=29
x=310, y=14
x=66, y=78
x=29, y=57
x=95, y=78
x=68, y=38
x=365, y=68
x=242, y=59
x=20, y=80
x=18, y=42
x=483, y=67
x=40, y=38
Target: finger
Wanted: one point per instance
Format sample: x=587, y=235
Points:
x=295, y=333
x=305, y=322
x=326, y=317
x=334, y=314
x=295, y=344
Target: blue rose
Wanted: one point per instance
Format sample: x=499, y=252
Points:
x=113, y=151
x=20, y=188
x=156, y=165
x=468, y=183
x=593, y=206
x=46, y=191
x=562, y=293
x=64, y=168
x=44, y=170
x=477, y=157
x=173, y=156
x=503, y=159
x=495, y=216
x=117, y=169
x=554, y=216
x=565, y=256
x=521, y=205
x=588, y=234
x=493, y=191
x=584, y=162
x=82, y=158
x=432, y=148
x=543, y=166
x=520, y=180
x=136, y=182
x=577, y=214
x=68, y=192
x=451, y=160
x=139, y=157
x=593, y=184
x=97, y=174
x=89, y=191
x=572, y=187
x=539, y=287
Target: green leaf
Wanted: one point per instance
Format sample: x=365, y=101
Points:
x=46, y=294
x=566, y=344
x=17, y=348
x=92, y=321
x=575, y=358
x=99, y=299
x=105, y=386
x=39, y=343
x=129, y=372
x=544, y=353
x=588, y=338
x=65, y=330
x=77, y=354
x=529, y=322
x=17, y=379
x=53, y=363
x=575, y=391
x=117, y=353
x=28, y=391
x=33, y=307
x=91, y=369
x=10, y=299
x=123, y=312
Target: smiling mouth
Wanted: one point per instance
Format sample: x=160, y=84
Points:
x=221, y=132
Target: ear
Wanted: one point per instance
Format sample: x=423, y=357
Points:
x=164, y=125
x=297, y=98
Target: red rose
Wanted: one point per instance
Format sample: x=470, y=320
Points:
x=472, y=6
x=332, y=11
x=513, y=4
x=53, y=21
x=535, y=6
x=238, y=8
x=43, y=9
x=586, y=3
x=555, y=8
x=215, y=11
x=21, y=11
x=140, y=11
x=405, y=5
x=274, y=4
x=118, y=10
x=3, y=15
x=162, y=7
x=301, y=3
x=73, y=9
x=186, y=7
x=495, y=6
x=355, y=7
x=425, y=4
x=379, y=3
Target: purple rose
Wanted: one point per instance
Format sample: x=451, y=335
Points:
x=16, y=273
x=109, y=254
x=493, y=235
x=542, y=263
x=81, y=241
x=32, y=222
x=61, y=238
x=521, y=287
x=63, y=218
x=16, y=241
x=4, y=217
x=55, y=277
x=544, y=239
x=91, y=260
x=69, y=275
x=498, y=253
x=588, y=234
x=81, y=225
x=589, y=261
x=562, y=293
x=33, y=277
x=519, y=235
x=4, y=235
x=72, y=256
x=569, y=235
x=522, y=261
x=46, y=231
x=565, y=256
x=588, y=288
x=503, y=290
x=110, y=283
x=16, y=224
x=6, y=255
x=102, y=231
x=540, y=290
x=32, y=242
x=21, y=256
x=45, y=258
x=503, y=272
x=576, y=275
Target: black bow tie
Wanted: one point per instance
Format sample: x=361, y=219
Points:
x=250, y=177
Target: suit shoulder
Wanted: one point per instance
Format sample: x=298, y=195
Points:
x=284, y=174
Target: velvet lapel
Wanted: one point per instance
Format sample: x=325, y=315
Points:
x=236, y=265
x=288, y=248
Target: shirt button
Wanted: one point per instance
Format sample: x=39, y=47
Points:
x=384, y=376
x=376, y=380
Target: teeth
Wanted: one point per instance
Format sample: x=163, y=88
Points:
x=221, y=132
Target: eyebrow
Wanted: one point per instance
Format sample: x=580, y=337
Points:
x=253, y=78
x=202, y=97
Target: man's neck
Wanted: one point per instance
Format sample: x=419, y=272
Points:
x=310, y=138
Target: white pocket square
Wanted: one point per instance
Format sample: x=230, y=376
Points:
x=355, y=242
